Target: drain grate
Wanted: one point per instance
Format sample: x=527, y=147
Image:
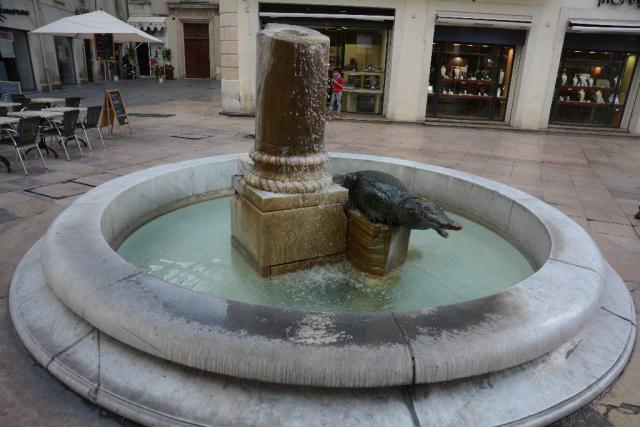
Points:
x=60, y=190
x=151, y=115
x=193, y=135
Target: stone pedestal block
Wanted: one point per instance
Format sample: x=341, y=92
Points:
x=278, y=233
x=375, y=248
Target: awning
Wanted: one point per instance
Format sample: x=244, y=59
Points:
x=515, y=22
x=593, y=26
x=87, y=25
x=148, y=23
x=325, y=16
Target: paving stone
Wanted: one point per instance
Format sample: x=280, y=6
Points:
x=6, y=216
x=95, y=180
x=20, y=183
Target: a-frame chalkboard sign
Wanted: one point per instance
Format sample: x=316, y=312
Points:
x=113, y=111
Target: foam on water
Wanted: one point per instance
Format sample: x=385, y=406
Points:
x=191, y=247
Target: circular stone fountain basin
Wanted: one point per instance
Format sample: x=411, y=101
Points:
x=129, y=341
x=306, y=347
x=188, y=247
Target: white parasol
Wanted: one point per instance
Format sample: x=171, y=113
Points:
x=87, y=25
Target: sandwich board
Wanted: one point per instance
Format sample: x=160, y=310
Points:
x=114, y=111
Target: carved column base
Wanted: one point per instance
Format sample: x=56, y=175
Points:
x=278, y=233
x=373, y=248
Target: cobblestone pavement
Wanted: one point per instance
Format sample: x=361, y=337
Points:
x=594, y=180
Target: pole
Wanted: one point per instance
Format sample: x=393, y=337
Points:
x=106, y=87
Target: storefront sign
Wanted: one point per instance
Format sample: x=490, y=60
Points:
x=7, y=11
x=619, y=2
x=104, y=47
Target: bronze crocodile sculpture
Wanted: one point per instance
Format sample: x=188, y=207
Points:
x=382, y=198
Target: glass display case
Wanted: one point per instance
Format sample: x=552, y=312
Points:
x=592, y=88
x=470, y=80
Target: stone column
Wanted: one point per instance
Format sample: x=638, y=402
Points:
x=289, y=154
x=286, y=214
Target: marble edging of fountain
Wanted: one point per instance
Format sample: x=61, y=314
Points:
x=501, y=331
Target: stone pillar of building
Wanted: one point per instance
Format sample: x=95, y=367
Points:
x=407, y=66
x=539, y=66
x=230, y=76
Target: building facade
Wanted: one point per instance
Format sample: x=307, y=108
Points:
x=529, y=64
x=190, y=30
x=47, y=62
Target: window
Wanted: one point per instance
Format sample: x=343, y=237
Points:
x=470, y=80
x=592, y=87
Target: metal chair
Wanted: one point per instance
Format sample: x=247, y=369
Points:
x=25, y=137
x=73, y=101
x=65, y=130
x=35, y=106
x=91, y=122
x=23, y=100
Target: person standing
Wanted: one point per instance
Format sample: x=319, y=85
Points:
x=337, y=83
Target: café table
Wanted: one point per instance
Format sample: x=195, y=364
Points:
x=7, y=121
x=65, y=109
x=4, y=104
x=47, y=100
x=46, y=115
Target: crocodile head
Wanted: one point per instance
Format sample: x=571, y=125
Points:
x=421, y=214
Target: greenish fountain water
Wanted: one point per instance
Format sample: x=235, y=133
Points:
x=191, y=247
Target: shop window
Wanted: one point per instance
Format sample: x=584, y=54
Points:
x=15, y=61
x=66, y=68
x=470, y=81
x=359, y=50
x=592, y=88
x=362, y=55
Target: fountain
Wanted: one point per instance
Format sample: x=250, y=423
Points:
x=136, y=299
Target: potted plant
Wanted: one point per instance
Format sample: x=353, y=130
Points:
x=128, y=68
x=157, y=71
x=166, y=55
x=167, y=67
x=114, y=71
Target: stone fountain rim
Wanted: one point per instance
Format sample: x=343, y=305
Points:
x=346, y=349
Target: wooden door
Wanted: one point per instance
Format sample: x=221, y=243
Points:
x=196, y=50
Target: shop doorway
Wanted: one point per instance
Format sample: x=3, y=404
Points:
x=142, y=56
x=66, y=67
x=88, y=60
x=594, y=79
x=196, y=50
x=358, y=46
x=471, y=72
x=361, y=54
